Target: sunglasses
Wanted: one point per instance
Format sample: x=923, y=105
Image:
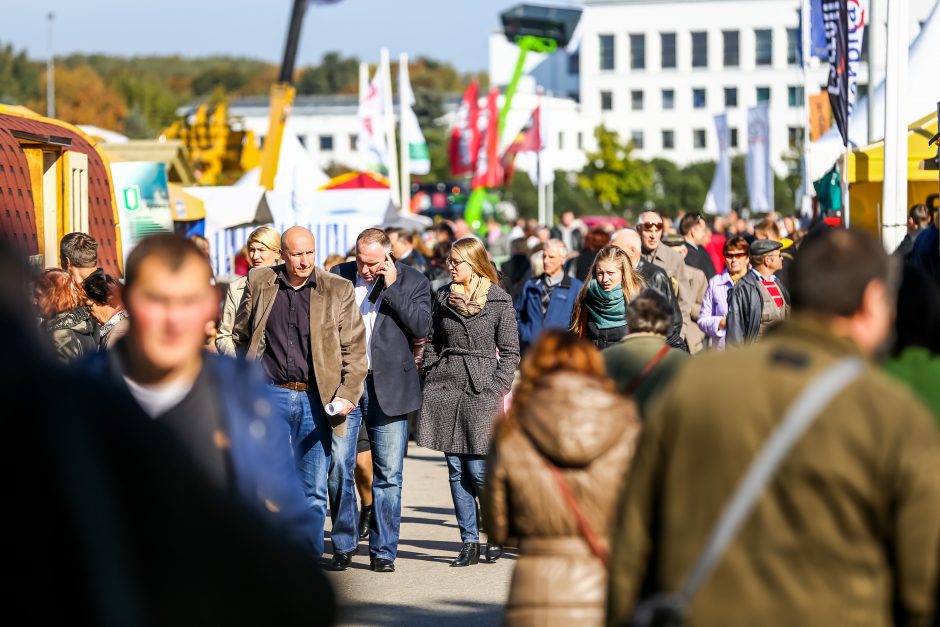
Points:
x=735, y=255
x=652, y=226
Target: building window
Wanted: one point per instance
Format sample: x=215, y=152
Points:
x=669, y=140
x=303, y=140
x=667, y=42
x=793, y=46
x=700, y=49
x=326, y=143
x=636, y=100
x=763, y=94
x=354, y=142
x=732, y=48
x=637, y=52
x=731, y=97
x=795, y=96
x=698, y=98
x=637, y=138
x=580, y=137
x=574, y=64
x=698, y=138
x=669, y=99
x=607, y=101
x=607, y=52
x=733, y=137
x=764, y=42
x=561, y=140
x=574, y=95
x=794, y=136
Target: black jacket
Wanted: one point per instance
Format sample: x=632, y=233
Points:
x=745, y=308
x=417, y=261
x=404, y=315
x=699, y=258
x=657, y=279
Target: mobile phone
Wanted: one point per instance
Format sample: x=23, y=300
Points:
x=379, y=284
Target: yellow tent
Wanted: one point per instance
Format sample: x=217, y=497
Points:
x=866, y=175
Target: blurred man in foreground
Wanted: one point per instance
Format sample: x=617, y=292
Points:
x=847, y=531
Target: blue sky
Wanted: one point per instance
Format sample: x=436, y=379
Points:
x=451, y=30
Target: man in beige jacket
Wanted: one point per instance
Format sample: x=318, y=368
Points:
x=303, y=325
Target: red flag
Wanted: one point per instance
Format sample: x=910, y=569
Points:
x=465, y=136
x=529, y=139
x=489, y=171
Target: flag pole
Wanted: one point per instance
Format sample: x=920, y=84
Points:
x=388, y=105
x=806, y=201
x=405, y=154
x=894, y=190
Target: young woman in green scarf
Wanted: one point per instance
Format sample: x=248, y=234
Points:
x=600, y=312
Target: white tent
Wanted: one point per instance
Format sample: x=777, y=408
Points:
x=297, y=172
x=920, y=99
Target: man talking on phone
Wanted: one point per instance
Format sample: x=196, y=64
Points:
x=395, y=303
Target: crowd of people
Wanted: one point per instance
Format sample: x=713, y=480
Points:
x=598, y=394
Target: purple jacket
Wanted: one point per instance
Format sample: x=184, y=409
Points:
x=714, y=308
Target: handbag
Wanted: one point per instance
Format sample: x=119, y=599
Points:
x=669, y=609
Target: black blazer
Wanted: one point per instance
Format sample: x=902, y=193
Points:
x=404, y=315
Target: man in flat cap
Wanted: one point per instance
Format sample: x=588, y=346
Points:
x=759, y=299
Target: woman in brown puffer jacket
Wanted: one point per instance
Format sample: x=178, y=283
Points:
x=565, y=414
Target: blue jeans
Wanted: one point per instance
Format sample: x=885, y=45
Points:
x=310, y=434
x=466, y=484
x=342, y=486
x=388, y=438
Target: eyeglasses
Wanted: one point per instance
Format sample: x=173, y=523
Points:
x=451, y=263
x=735, y=255
x=652, y=226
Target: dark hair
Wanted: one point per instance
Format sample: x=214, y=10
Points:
x=918, y=312
x=737, y=243
x=832, y=270
x=688, y=222
x=595, y=239
x=649, y=312
x=80, y=249
x=518, y=246
x=374, y=236
x=102, y=288
x=920, y=215
x=403, y=234
x=171, y=250
x=440, y=254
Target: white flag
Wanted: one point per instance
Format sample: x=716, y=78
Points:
x=419, y=160
x=759, y=175
x=371, y=116
x=718, y=200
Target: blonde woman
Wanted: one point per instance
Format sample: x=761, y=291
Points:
x=264, y=249
x=600, y=311
x=470, y=359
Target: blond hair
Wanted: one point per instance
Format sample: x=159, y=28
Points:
x=631, y=282
x=267, y=236
x=474, y=253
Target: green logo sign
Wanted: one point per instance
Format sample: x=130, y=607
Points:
x=132, y=198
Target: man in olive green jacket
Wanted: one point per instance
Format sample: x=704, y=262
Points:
x=847, y=531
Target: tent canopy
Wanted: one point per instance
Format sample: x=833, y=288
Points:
x=356, y=180
x=866, y=164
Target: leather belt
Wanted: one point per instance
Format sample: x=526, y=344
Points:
x=296, y=386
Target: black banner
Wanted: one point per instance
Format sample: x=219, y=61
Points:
x=836, y=22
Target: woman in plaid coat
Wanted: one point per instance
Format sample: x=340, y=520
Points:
x=470, y=359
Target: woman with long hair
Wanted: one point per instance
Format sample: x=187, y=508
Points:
x=264, y=249
x=65, y=320
x=470, y=359
x=600, y=311
x=556, y=468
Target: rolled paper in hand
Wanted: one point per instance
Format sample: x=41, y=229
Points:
x=333, y=408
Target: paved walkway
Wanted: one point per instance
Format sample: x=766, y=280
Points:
x=424, y=590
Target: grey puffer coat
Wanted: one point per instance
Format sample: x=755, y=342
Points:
x=465, y=380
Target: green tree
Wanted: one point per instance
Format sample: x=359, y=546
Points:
x=151, y=103
x=569, y=196
x=335, y=74
x=19, y=77
x=611, y=176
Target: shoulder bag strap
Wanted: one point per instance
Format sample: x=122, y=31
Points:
x=584, y=525
x=638, y=379
x=801, y=414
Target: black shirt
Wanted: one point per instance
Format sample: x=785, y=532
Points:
x=286, y=355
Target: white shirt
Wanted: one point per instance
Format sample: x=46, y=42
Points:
x=368, y=311
x=158, y=399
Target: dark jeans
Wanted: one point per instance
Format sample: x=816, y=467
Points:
x=388, y=437
x=310, y=434
x=466, y=484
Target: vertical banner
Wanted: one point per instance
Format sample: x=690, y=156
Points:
x=412, y=139
x=817, y=30
x=465, y=135
x=143, y=198
x=718, y=199
x=856, y=15
x=836, y=21
x=820, y=115
x=489, y=172
x=371, y=114
x=760, y=176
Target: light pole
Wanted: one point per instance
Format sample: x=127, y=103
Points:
x=50, y=72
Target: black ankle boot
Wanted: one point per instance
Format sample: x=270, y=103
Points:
x=493, y=552
x=469, y=554
x=365, y=519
